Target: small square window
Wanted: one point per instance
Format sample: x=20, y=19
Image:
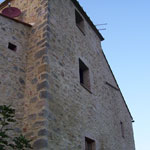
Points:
x=79, y=21
x=89, y=144
x=84, y=75
x=12, y=47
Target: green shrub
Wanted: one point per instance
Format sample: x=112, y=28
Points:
x=7, y=142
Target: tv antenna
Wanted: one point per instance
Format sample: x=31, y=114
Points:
x=102, y=24
x=11, y=12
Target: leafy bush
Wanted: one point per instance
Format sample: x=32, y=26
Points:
x=7, y=142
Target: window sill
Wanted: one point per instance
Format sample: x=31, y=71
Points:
x=86, y=88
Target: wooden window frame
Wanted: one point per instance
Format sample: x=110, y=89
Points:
x=89, y=144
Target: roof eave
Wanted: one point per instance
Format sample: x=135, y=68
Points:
x=24, y=23
x=118, y=87
x=76, y=3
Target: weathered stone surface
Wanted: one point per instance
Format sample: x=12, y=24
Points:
x=20, y=95
x=21, y=81
x=17, y=130
x=44, y=76
x=59, y=105
x=44, y=113
x=33, y=100
x=29, y=134
x=40, y=143
x=41, y=104
x=45, y=94
x=34, y=81
x=43, y=68
x=42, y=85
x=39, y=124
x=40, y=53
x=45, y=59
x=32, y=117
x=43, y=132
x=13, y=66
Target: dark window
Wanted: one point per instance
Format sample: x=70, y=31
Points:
x=122, y=129
x=79, y=21
x=89, y=144
x=12, y=47
x=84, y=75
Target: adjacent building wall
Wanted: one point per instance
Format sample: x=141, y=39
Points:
x=35, y=101
x=13, y=64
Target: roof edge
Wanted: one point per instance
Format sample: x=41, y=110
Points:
x=118, y=86
x=24, y=23
x=76, y=3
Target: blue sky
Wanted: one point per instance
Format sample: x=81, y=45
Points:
x=127, y=48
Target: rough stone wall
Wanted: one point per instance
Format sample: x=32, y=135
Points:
x=58, y=111
x=35, y=101
x=75, y=112
x=13, y=65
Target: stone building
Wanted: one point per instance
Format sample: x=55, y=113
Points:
x=54, y=72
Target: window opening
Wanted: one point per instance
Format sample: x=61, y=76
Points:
x=79, y=21
x=122, y=129
x=84, y=75
x=12, y=47
x=89, y=144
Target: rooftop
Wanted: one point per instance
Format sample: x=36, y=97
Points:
x=76, y=3
x=16, y=20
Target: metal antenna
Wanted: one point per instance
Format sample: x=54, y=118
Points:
x=9, y=4
x=102, y=24
x=102, y=29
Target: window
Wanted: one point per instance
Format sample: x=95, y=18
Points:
x=79, y=21
x=84, y=75
x=122, y=129
x=12, y=47
x=89, y=144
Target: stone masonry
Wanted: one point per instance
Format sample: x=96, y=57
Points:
x=41, y=79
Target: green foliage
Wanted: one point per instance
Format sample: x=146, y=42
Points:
x=7, y=142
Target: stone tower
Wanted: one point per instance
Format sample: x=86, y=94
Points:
x=54, y=72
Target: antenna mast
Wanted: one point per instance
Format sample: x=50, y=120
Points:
x=102, y=24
